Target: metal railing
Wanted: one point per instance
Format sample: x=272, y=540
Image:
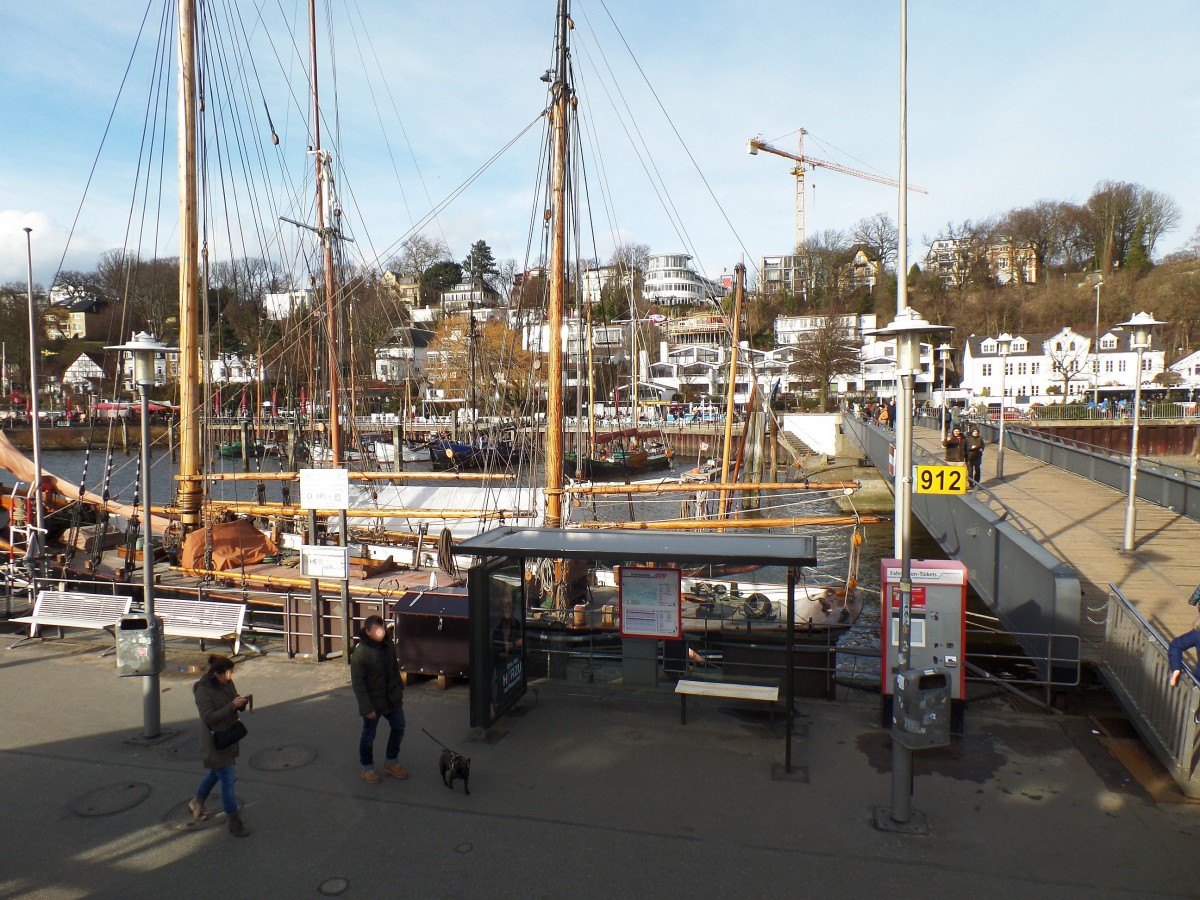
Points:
x=1136, y=667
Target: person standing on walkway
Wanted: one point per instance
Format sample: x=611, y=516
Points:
x=974, y=453
x=954, y=446
x=218, y=703
x=375, y=675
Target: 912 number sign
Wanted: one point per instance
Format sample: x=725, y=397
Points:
x=941, y=479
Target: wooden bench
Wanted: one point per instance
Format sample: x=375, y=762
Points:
x=749, y=689
x=204, y=619
x=74, y=609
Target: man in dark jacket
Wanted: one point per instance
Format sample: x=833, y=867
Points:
x=954, y=445
x=974, y=453
x=375, y=674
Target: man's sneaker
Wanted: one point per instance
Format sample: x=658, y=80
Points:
x=370, y=776
x=196, y=808
x=395, y=770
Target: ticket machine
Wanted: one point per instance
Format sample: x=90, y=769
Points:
x=939, y=629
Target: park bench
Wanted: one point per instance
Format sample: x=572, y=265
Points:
x=766, y=690
x=204, y=619
x=74, y=609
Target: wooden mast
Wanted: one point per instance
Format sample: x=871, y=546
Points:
x=554, y=312
x=190, y=376
x=326, y=233
x=740, y=277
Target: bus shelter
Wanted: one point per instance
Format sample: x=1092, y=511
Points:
x=496, y=588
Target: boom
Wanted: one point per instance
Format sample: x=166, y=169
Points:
x=802, y=161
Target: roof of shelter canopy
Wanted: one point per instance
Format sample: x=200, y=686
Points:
x=619, y=545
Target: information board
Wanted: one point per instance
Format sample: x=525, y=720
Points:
x=324, y=488
x=650, y=603
x=317, y=561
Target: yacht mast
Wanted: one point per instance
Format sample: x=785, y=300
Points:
x=326, y=233
x=190, y=376
x=554, y=312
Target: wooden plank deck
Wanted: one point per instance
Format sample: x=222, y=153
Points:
x=1083, y=524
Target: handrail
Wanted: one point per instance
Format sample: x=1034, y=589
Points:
x=1136, y=666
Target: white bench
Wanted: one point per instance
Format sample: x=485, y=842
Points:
x=729, y=690
x=203, y=619
x=74, y=609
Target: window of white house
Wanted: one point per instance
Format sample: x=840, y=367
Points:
x=1108, y=343
x=986, y=370
x=1019, y=347
x=1022, y=368
x=1035, y=368
x=1008, y=368
x=988, y=347
x=1120, y=365
x=1147, y=364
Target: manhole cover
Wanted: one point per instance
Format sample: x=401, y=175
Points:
x=113, y=798
x=179, y=817
x=277, y=759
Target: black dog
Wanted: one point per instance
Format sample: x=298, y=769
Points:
x=455, y=766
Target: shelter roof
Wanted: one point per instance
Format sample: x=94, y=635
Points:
x=619, y=545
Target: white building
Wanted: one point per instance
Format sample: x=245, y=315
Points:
x=84, y=375
x=230, y=368
x=1055, y=368
x=789, y=328
x=282, y=305
x=877, y=372
x=671, y=281
x=405, y=357
x=1188, y=369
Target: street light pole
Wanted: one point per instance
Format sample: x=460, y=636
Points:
x=1141, y=326
x=144, y=348
x=907, y=329
x=1096, y=351
x=1003, y=342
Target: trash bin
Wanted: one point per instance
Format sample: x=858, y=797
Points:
x=139, y=645
x=921, y=709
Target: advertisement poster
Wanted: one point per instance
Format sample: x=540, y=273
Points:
x=650, y=603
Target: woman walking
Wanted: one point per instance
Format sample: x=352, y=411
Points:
x=219, y=703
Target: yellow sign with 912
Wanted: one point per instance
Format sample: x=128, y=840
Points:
x=941, y=479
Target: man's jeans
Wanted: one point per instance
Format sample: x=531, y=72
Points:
x=366, y=745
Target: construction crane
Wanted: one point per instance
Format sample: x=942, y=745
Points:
x=754, y=145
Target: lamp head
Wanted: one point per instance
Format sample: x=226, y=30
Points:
x=1141, y=328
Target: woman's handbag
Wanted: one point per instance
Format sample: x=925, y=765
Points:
x=230, y=736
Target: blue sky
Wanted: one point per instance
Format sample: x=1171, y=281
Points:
x=1010, y=101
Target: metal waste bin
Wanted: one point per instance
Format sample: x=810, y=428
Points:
x=921, y=709
x=139, y=645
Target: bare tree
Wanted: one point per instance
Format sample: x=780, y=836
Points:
x=1113, y=209
x=881, y=236
x=1158, y=214
x=1069, y=357
x=1038, y=227
x=826, y=352
x=417, y=254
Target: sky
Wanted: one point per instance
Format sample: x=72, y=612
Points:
x=1009, y=102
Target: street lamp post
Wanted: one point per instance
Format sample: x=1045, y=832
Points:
x=1003, y=343
x=1096, y=352
x=1140, y=327
x=144, y=349
x=907, y=328
x=943, y=355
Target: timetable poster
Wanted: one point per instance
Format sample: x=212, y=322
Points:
x=650, y=603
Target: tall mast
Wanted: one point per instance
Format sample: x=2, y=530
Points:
x=190, y=376
x=558, y=244
x=331, y=322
